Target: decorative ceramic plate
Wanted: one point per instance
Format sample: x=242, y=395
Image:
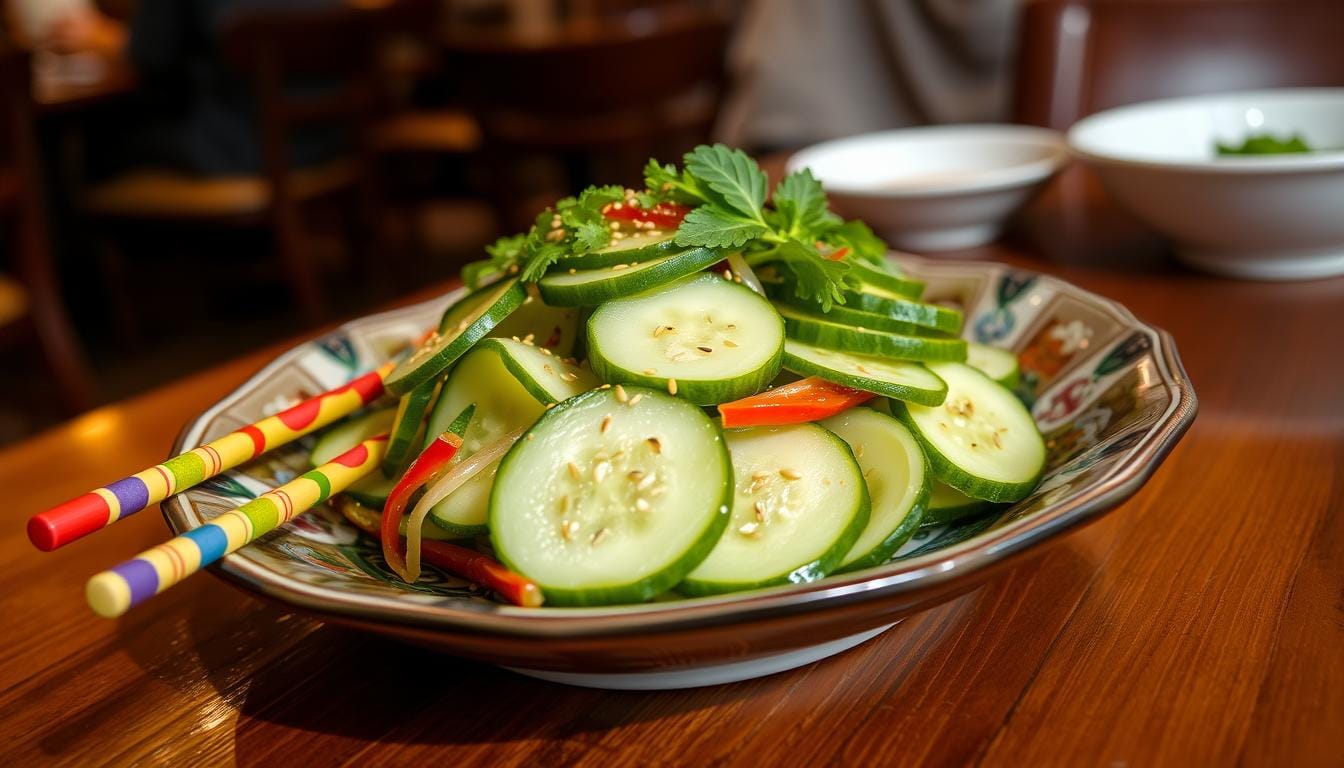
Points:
x=1107, y=391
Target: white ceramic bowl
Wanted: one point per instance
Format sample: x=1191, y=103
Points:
x=937, y=188
x=1266, y=217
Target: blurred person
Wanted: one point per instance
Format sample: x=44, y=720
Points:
x=194, y=113
x=808, y=71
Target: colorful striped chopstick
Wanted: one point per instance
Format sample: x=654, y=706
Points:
x=112, y=592
x=104, y=506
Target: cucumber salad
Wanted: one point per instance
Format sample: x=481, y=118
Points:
x=694, y=387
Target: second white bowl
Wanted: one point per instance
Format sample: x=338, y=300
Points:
x=936, y=188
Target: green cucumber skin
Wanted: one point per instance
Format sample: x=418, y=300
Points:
x=511, y=298
x=809, y=572
x=617, y=285
x=401, y=442
x=519, y=372
x=856, y=317
x=601, y=259
x=844, y=339
x=878, y=278
x=656, y=583
x=946, y=470
x=881, y=554
x=947, y=515
x=886, y=389
x=459, y=428
x=932, y=316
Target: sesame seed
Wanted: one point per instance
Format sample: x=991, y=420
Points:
x=641, y=505
x=861, y=369
x=749, y=529
x=727, y=274
x=661, y=329
x=617, y=206
x=574, y=471
x=529, y=338
x=549, y=406
x=531, y=436
x=606, y=423
x=997, y=443
x=620, y=394
x=548, y=369
x=655, y=444
x=601, y=471
x=759, y=509
x=568, y=528
x=515, y=338
x=567, y=376
x=636, y=399
x=545, y=351
x=645, y=482
x=573, y=271
x=619, y=267
x=635, y=475
x=599, y=536
x=858, y=450
x=564, y=504
x=789, y=474
x=730, y=343
x=605, y=386
x=759, y=475
x=615, y=225
x=706, y=350
x=650, y=371
x=671, y=386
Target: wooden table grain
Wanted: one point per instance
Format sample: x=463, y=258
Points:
x=1201, y=623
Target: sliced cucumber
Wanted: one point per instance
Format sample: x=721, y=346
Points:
x=800, y=503
x=888, y=280
x=546, y=377
x=607, y=500
x=812, y=329
x=898, y=481
x=998, y=364
x=409, y=427
x=895, y=313
x=718, y=340
x=555, y=328
x=981, y=440
x=892, y=378
x=632, y=250
x=589, y=288
x=444, y=348
x=948, y=505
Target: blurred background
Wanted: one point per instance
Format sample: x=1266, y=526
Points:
x=183, y=181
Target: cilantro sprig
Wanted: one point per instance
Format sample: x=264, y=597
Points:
x=791, y=229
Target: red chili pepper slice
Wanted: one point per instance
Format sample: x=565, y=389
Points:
x=809, y=399
x=663, y=215
x=429, y=466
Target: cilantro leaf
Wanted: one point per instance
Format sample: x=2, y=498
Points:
x=714, y=227
x=801, y=203
x=591, y=235
x=860, y=240
x=540, y=259
x=735, y=177
x=815, y=277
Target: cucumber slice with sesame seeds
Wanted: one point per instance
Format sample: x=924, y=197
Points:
x=702, y=338
x=981, y=440
x=591, y=287
x=443, y=349
x=948, y=505
x=799, y=504
x=612, y=497
x=817, y=330
x=897, y=475
x=555, y=328
x=998, y=364
x=635, y=249
x=898, y=379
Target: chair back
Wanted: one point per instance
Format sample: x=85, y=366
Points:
x=1077, y=57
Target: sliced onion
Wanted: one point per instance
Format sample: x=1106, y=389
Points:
x=456, y=477
x=743, y=270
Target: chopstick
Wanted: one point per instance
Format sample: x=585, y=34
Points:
x=113, y=592
x=104, y=506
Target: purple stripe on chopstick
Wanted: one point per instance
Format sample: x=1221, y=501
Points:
x=141, y=577
x=131, y=492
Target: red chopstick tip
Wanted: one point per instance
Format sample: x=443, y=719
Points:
x=42, y=533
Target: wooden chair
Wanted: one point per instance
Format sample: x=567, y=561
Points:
x=1078, y=57
x=606, y=88
x=274, y=49
x=31, y=302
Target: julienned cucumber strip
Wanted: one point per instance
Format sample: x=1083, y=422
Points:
x=893, y=378
x=593, y=286
x=998, y=364
x=405, y=437
x=444, y=348
x=799, y=505
x=843, y=338
x=948, y=505
x=718, y=340
x=612, y=500
x=981, y=440
x=857, y=318
x=898, y=481
x=636, y=249
x=901, y=308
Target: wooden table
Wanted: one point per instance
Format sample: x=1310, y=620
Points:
x=1199, y=624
